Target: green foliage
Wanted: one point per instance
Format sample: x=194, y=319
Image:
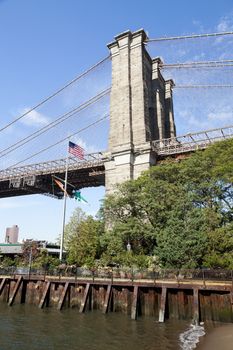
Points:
x=30, y=251
x=71, y=228
x=45, y=261
x=84, y=244
x=182, y=243
x=175, y=210
x=220, y=248
x=222, y=157
x=7, y=262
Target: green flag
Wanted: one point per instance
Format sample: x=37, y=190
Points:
x=79, y=197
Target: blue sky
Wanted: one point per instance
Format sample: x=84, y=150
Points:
x=46, y=43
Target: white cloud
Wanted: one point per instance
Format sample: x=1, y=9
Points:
x=225, y=24
x=197, y=123
x=88, y=148
x=221, y=116
x=199, y=57
x=190, y=121
x=34, y=118
x=199, y=26
x=181, y=52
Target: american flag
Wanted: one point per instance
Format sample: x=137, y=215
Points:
x=76, y=150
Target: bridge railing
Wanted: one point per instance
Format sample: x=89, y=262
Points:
x=176, y=145
x=118, y=274
x=53, y=166
x=191, y=142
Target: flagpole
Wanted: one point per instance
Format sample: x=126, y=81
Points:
x=64, y=205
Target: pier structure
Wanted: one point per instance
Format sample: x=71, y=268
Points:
x=162, y=298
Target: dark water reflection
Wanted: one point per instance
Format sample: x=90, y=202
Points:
x=27, y=327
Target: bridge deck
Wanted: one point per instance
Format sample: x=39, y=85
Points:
x=38, y=178
x=191, y=142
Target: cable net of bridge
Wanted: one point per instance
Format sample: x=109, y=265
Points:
x=79, y=109
x=201, y=67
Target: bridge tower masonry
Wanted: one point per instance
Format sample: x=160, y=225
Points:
x=141, y=109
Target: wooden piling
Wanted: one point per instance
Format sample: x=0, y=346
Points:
x=196, y=315
x=163, y=304
x=231, y=294
x=2, y=285
x=84, y=301
x=189, y=301
x=107, y=299
x=181, y=304
x=63, y=295
x=45, y=294
x=134, y=308
x=16, y=288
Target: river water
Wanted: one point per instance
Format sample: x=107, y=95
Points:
x=27, y=327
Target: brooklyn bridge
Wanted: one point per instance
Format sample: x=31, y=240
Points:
x=142, y=128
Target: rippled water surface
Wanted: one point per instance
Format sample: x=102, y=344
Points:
x=27, y=327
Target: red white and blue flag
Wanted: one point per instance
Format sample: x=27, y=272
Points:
x=76, y=150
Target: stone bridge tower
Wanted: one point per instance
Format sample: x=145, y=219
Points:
x=141, y=109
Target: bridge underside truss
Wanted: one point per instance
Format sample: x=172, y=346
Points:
x=40, y=178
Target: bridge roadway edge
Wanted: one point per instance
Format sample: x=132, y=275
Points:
x=38, y=178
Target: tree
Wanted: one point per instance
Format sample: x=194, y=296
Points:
x=7, y=262
x=71, y=228
x=220, y=248
x=83, y=245
x=45, y=261
x=176, y=210
x=30, y=251
x=208, y=177
x=182, y=243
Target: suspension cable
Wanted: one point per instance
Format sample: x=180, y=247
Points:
x=55, y=93
x=60, y=141
x=53, y=124
x=192, y=36
x=201, y=86
x=197, y=64
x=223, y=67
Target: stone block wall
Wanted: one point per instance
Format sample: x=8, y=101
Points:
x=141, y=109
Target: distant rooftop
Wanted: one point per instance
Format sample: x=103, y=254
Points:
x=10, y=244
x=16, y=248
x=6, y=248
